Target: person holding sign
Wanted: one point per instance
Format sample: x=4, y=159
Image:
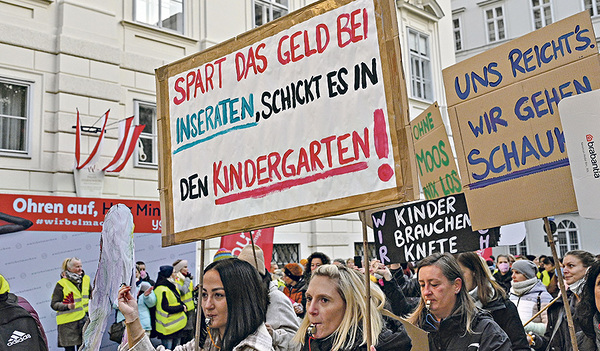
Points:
x=235, y=315
x=588, y=317
x=449, y=314
x=490, y=296
x=336, y=311
x=557, y=337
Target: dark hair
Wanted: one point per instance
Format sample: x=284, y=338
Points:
x=481, y=278
x=548, y=260
x=324, y=258
x=247, y=305
x=586, y=308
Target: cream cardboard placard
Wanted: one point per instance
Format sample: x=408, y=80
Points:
x=580, y=117
x=435, y=162
x=507, y=131
x=302, y=118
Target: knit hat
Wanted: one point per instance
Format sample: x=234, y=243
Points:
x=247, y=255
x=293, y=270
x=144, y=286
x=303, y=262
x=222, y=253
x=525, y=267
x=180, y=265
x=165, y=271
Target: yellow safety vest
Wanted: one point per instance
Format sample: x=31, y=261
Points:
x=166, y=323
x=545, y=277
x=187, y=298
x=82, y=300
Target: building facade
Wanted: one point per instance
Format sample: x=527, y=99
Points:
x=63, y=57
x=481, y=25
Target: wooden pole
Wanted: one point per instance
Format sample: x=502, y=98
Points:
x=561, y=284
x=199, y=307
x=254, y=251
x=542, y=310
x=367, y=281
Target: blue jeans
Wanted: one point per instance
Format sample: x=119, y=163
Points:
x=170, y=344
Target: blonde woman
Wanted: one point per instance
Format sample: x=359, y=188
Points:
x=336, y=310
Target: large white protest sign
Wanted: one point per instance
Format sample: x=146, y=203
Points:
x=304, y=118
x=580, y=117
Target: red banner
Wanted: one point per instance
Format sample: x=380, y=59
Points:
x=263, y=238
x=72, y=214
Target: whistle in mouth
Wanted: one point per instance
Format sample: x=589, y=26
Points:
x=312, y=329
x=208, y=321
x=427, y=304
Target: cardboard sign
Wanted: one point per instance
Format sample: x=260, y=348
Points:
x=302, y=118
x=504, y=116
x=417, y=230
x=435, y=162
x=580, y=117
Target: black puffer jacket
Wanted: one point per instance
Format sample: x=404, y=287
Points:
x=505, y=314
x=387, y=341
x=451, y=335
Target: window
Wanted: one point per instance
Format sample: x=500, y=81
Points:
x=145, y=113
x=593, y=6
x=268, y=10
x=285, y=253
x=14, y=117
x=359, y=250
x=161, y=13
x=542, y=13
x=420, y=66
x=519, y=249
x=568, y=236
x=494, y=19
x=457, y=34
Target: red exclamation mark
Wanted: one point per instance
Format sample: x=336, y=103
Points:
x=385, y=171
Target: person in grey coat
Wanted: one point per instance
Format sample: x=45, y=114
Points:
x=281, y=321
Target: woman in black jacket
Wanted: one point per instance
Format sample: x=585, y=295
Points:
x=588, y=316
x=448, y=313
x=490, y=296
x=336, y=310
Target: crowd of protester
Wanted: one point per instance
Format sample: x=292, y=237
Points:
x=463, y=301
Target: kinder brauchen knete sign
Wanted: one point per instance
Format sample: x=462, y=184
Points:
x=302, y=118
x=503, y=108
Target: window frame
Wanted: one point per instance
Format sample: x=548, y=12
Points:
x=564, y=228
x=541, y=9
x=595, y=4
x=427, y=84
x=28, y=119
x=278, y=247
x=159, y=24
x=269, y=4
x=154, y=136
x=495, y=22
x=460, y=33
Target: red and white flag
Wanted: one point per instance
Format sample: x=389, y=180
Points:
x=95, y=155
x=128, y=138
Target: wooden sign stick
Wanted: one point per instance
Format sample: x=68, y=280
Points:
x=561, y=284
x=199, y=307
x=367, y=281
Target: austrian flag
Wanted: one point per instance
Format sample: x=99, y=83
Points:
x=128, y=138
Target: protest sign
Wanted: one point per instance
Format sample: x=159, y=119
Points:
x=580, y=117
x=417, y=230
x=262, y=238
x=302, y=118
x=435, y=162
x=503, y=108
